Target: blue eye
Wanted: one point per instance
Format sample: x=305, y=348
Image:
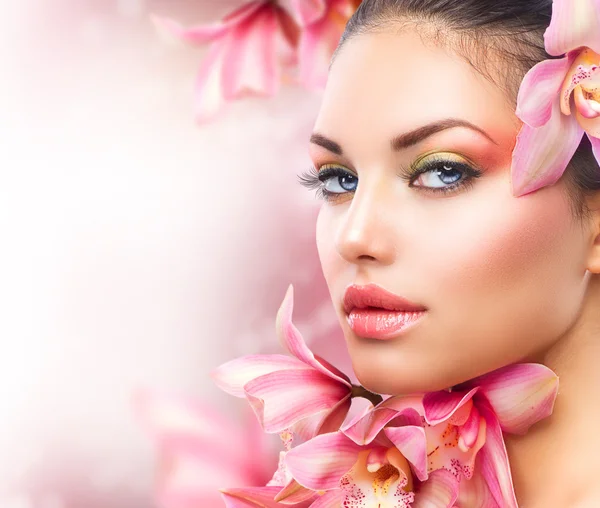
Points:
x=441, y=174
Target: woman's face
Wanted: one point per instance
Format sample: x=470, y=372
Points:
x=502, y=278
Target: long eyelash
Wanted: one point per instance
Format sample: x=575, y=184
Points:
x=411, y=173
x=315, y=179
x=310, y=179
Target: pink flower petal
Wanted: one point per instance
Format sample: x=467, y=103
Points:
x=520, y=395
x=251, y=66
x=335, y=418
x=294, y=493
x=209, y=99
x=320, y=463
x=493, y=460
x=317, y=44
x=306, y=12
x=440, y=406
x=207, y=33
x=291, y=339
x=540, y=89
x=331, y=499
x=470, y=430
x=280, y=399
x=364, y=429
x=439, y=491
x=574, y=23
x=542, y=154
x=584, y=70
x=588, y=109
x=475, y=492
x=233, y=375
x=595, y=147
x=410, y=442
x=254, y=497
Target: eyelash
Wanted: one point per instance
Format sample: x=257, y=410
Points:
x=316, y=179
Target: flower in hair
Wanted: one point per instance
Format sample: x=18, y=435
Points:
x=559, y=99
x=249, y=51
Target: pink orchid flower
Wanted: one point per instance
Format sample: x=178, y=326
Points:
x=322, y=23
x=302, y=392
x=201, y=450
x=552, y=131
x=249, y=50
x=464, y=428
x=375, y=460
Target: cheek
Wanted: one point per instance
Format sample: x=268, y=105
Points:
x=328, y=255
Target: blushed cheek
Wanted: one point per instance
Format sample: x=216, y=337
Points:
x=508, y=241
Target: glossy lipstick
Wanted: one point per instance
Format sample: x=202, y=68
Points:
x=374, y=313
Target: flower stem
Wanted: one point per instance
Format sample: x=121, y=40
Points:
x=361, y=391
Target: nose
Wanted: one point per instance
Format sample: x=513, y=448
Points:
x=366, y=233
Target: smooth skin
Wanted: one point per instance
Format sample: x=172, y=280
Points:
x=505, y=279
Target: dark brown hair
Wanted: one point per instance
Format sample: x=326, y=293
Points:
x=502, y=39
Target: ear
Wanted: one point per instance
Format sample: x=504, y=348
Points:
x=593, y=264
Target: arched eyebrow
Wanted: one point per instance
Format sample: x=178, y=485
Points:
x=408, y=139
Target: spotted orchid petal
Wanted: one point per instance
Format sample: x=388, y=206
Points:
x=542, y=154
x=520, y=395
x=292, y=340
x=540, y=90
x=574, y=23
x=233, y=375
x=255, y=497
x=207, y=33
x=319, y=463
x=493, y=460
x=281, y=399
x=441, y=406
x=439, y=491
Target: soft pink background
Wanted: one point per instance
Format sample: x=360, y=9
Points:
x=138, y=249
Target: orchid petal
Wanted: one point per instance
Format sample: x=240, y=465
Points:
x=207, y=33
x=539, y=90
x=233, y=375
x=255, y=497
x=294, y=493
x=493, y=460
x=411, y=442
x=591, y=126
x=520, y=395
x=588, y=109
x=442, y=405
x=595, y=142
x=469, y=432
x=209, y=99
x=320, y=463
x=439, y=491
x=335, y=418
x=307, y=12
x=331, y=499
x=542, y=154
x=574, y=23
x=291, y=338
x=252, y=63
x=475, y=492
x=317, y=45
x=280, y=399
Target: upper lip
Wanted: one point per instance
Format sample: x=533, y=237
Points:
x=373, y=295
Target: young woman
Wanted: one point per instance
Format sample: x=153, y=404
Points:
x=412, y=151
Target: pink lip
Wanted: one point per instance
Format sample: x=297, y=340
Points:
x=374, y=313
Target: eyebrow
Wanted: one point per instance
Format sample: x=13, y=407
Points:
x=408, y=139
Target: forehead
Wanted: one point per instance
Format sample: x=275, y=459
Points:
x=384, y=84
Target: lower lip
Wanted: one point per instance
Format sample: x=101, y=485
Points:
x=380, y=323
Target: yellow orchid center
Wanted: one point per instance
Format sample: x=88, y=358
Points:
x=583, y=83
x=380, y=477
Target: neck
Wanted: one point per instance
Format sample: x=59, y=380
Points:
x=554, y=464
